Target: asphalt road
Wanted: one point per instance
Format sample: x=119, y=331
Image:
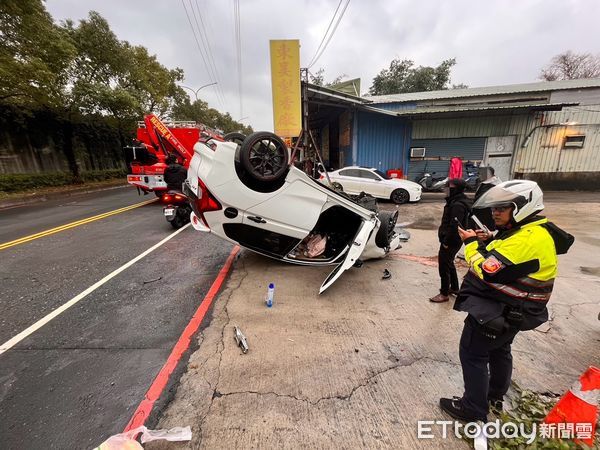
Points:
x=78, y=379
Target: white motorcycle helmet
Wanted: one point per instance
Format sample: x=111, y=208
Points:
x=525, y=195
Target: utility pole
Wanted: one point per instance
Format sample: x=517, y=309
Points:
x=304, y=79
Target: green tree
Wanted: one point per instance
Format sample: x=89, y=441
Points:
x=82, y=74
x=33, y=55
x=153, y=85
x=402, y=77
x=199, y=111
x=110, y=77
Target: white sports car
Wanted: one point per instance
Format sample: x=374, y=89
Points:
x=250, y=195
x=355, y=179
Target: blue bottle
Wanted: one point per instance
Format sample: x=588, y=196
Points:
x=270, y=292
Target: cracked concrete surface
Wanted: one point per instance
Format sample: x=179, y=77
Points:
x=361, y=364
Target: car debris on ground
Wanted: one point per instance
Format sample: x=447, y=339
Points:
x=240, y=339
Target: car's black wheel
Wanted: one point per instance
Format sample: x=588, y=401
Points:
x=388, y=221
x=400, y=196
x=159, y=193
x=337, y=186
x=236, y=137
x=264, y=156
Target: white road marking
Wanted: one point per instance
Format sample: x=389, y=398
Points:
x=43, y=321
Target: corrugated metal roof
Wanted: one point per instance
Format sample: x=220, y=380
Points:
x=316, y=92
x=452, y=109
x=542, y=86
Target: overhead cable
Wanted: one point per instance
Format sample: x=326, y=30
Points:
x=195, y=37
x=204, y=36
x=326, y=31
x=238, y=46
x=319, y=53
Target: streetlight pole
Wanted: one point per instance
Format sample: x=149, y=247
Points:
x=195, y=91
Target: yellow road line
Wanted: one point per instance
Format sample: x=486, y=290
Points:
x=72, y=225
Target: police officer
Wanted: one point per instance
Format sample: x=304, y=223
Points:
x=175, y=174
x=505, y=291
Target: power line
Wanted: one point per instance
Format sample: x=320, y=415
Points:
x=195, y=37
x=326, y=31
x=207, y=65
x=238, y=46
x=207, y=47
x=317, y=56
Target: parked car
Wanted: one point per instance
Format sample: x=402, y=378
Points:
x=355, y=179
x=250, y=195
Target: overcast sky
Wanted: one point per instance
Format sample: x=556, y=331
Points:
x=494, y=41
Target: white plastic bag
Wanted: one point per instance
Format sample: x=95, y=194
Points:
x=126, y=441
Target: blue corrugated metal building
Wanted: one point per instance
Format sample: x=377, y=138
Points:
x=493, y=126
x=351, y=133
x=382, y=141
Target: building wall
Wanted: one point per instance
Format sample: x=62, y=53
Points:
x=382, y=141
x=544, y=152
x=544, y=157
x=582, y=96
x=500, y=125
x=469, y=149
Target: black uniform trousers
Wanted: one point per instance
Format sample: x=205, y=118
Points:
x=447, y=270
x=477, y=352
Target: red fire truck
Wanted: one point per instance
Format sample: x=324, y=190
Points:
x=156, y=141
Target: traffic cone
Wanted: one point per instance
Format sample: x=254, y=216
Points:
x=578, y=408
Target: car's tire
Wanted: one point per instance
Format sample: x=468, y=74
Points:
x=400, y=196
x=264, y=156
x=158, y=193
x=337, y=186
x=388, y=221
x=236, y=137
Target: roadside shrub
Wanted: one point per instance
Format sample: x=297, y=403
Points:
x=19, y=182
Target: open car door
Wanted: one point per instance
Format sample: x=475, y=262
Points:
x=356, y=248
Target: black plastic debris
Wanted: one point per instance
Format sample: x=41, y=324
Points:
x=386, y=275
x=152, y=281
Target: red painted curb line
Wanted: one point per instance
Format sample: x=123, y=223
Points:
x=158, y=385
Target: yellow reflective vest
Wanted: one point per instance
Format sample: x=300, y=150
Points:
x=530, y=242
x=515, y=270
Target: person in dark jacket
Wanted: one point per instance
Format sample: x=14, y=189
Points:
x=456, y=210
x=175, y=174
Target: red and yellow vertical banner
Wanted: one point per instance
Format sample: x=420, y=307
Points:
x=285, y=80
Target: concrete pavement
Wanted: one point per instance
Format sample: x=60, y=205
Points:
x=361, y=364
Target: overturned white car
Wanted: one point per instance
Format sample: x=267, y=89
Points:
x=248, y=194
